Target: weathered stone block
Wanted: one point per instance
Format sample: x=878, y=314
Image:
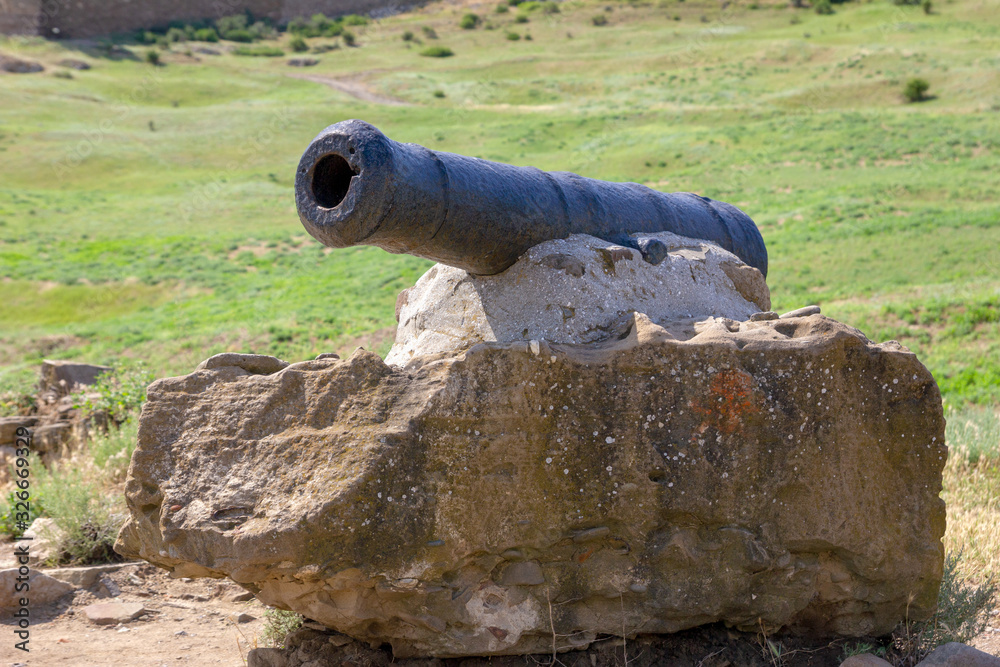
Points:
x=575, y=290
x=778, y=474
x=65, y=377
x=9, y=426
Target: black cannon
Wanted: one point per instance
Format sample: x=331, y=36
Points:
x=356, y=186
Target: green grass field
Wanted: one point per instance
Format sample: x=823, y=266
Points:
x=147, y=213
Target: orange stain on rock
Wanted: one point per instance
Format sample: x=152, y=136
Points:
x=730, y=399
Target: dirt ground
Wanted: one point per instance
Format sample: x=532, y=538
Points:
x=193, y=622
x=188, y=623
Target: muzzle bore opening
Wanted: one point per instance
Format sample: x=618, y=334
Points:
x=331, y=180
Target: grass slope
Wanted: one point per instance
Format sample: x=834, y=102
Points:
x=147, y=212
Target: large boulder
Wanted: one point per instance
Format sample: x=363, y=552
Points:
x=575, y=290
x=520, y=497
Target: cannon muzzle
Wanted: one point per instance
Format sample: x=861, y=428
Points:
x=356, y=186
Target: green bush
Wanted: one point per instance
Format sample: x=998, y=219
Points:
x=513, y=36
x=599, y=20
x=520, y=18
x=10, y=522
x=408, y=36
x=916, y=89
x=277, y=624
x=240, y=35
x=429, y=32
x=502, y=9
x=927, y=7
x=354, y=19
x=319, y=25
x=120, y=392
x=232, y=24
x=438, y=93
x=112, y=451
x=89, y=517
x=152, y=57
x=349, y=38
x=823, y=7
x=468, y=22
x=298, y=45
x=175, y=35
x=206, y=35
x=259, y=51
x=546, y=7
x=437, y=52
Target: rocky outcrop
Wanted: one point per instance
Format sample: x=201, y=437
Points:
x=520, y=497
x=575, y=290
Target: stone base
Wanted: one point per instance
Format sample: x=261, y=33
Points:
x=767, y=475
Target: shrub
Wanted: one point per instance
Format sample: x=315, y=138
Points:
x=438, y=93
x=514, y=3
x=152, y=57
x=599, y=20
x=227, y=24
x=12, y=518
x=468, y=22
x=298, y=26
x=277, y=624
x=915, y=90
x=319, y=24
x=120, y=392
x=437, y=52
x=262, y=30
x=112, y=451
x=89, y=518
x=349, y=38
x=520, y=18
x=549, y=7
x=259, y=51
x=241, y=35
x=502, y=9
x=429, y=32
x=408, y=36
x=513, y=36
x=962, y=614
x=206, y=35
x=175, y=35
x=927, y=7
x=298, y=45
x=354, y=19
x=823, y=7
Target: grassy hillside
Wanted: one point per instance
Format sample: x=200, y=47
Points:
x=146, y=213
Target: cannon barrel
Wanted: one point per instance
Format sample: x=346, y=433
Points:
x=356, y=186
